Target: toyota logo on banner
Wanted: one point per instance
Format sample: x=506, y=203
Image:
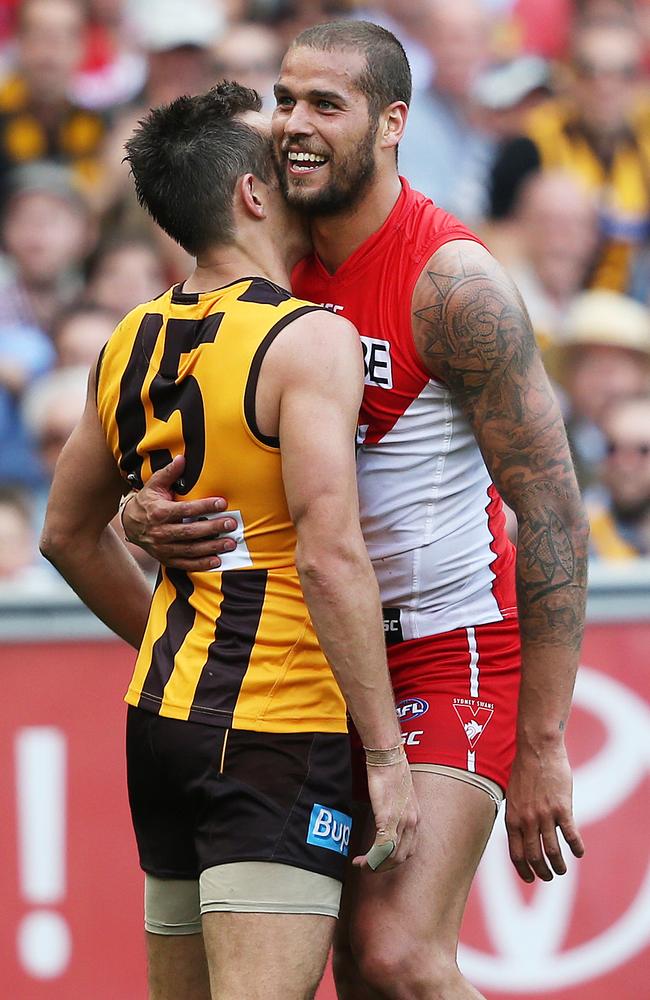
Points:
x=550, y=938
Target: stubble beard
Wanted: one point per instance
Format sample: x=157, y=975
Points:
x=349, y=183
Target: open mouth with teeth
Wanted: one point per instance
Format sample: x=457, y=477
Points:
x=305, y=163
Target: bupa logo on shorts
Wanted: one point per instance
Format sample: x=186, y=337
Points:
x=376, y=362
x=411, y=708
x=330, y=829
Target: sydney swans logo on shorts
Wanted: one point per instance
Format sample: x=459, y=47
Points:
x=330, y=829
x=474, y=717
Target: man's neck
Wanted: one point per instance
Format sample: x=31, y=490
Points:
x=225, y=265
x=336, y=237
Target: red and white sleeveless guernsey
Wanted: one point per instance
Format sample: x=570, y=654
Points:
x=432, y=518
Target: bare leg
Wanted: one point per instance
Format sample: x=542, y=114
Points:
x=266, y=956
x=347, y=976
x=177, y=967
x=403, y=925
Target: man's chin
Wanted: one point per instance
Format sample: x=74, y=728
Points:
x=302, y=197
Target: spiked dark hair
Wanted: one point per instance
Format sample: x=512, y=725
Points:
x=387, y=74
x=186, y=158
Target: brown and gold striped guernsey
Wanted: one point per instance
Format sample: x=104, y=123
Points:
x=233, y=647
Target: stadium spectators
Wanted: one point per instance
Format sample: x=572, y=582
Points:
x=25, y=354
x=51, y=408
x=250, y=54
x=619, y=508
x=605, y=357
x=47, y=232
x=77, y=251
x=599, y=130
x=114, y=70
x=125, y=271
x=22, y=570
x=81, y=331
x=38, y=119
x=444, y=153
x=548, y=246
x=177, y=40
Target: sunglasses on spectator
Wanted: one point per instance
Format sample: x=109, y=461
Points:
x=590, y=71
x=641, y=449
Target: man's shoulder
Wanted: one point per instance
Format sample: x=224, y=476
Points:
x=426, y=227
x=318, y=321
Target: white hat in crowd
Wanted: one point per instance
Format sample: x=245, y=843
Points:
x=609, y=319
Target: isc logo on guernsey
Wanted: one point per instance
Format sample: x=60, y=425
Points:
x=330, y=829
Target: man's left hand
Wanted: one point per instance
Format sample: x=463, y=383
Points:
x=539, y=801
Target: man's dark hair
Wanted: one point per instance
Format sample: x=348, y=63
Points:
x=387, y=74
x=186, y=158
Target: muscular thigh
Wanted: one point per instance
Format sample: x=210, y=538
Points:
x=266, y=956
x=424, y=899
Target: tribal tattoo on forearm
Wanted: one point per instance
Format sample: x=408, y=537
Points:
x=472, y=331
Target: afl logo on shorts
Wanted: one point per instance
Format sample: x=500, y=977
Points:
x=411, y=708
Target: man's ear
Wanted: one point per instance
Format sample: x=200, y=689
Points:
x=393, y=122
x=252, y=193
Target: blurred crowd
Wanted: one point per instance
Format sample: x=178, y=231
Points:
x=530, y=121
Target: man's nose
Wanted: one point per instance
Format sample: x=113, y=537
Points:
x=298, y=122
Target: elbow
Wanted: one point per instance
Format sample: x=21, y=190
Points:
x=53, y=543
x=322, y=566
x=50, y=546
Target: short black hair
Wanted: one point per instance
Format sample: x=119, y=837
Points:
x=387, y=74
x=186, y=158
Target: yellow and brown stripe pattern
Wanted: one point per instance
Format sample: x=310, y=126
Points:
x=234, y=647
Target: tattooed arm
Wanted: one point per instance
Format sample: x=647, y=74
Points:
x=472, y=331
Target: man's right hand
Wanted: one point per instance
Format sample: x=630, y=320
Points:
x=176, y=532
x=396, y=814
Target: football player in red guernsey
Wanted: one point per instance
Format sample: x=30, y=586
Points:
x=483, y=640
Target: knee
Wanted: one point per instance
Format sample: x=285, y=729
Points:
x=400, y=968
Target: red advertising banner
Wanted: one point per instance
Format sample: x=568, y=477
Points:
x=71, y=888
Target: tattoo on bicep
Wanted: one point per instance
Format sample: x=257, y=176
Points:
x=475, y=335
x=471, y=327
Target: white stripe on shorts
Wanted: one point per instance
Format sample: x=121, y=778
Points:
x=473, y=663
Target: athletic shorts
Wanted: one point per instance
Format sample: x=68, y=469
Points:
x=203, y=796
x=456, y=696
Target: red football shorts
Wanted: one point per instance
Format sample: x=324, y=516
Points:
x=456, y=696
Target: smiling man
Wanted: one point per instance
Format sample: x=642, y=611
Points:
x=457, y=412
